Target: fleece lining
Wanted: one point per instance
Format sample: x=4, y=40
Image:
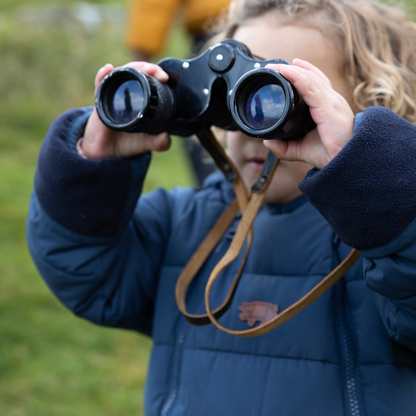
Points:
x=108, y=182
x=359, y=190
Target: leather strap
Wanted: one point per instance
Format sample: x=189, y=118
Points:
x=211, y=240
x=249, y=210
x=196, y=262
x=293, y=310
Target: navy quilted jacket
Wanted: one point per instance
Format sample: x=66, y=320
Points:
x=115, y=262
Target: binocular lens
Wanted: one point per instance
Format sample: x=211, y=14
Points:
x=264, y=106
x=127, y=102
x=132, y=101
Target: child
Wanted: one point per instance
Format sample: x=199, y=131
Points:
x=115, y=260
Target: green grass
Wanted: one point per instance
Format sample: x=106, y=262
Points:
x=52, y=363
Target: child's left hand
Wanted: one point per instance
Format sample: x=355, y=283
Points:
x=331, y=112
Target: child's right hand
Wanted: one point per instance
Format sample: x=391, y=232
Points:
x=100, y=142
x=331, y=112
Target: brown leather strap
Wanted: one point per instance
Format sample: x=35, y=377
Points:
x=244, y=232
x=245, y=229
x=297, y=307
x=204, y=250
x=198, y=259
x=231, y=173
x=211, y=240
x=245, y=225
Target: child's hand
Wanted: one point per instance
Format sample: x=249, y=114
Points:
x=100, y=142
x=331, y=112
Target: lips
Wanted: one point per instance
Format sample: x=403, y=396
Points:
x=256, y=163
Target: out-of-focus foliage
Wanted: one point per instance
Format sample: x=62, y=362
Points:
x=52, y=363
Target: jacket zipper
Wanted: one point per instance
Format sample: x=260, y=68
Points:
x=176, y=370
x=349, y=369
x=184, y=326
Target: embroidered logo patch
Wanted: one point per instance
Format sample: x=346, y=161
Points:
x=257, y=311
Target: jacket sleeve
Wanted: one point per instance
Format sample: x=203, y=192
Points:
x=368, y=195
x=97, y=248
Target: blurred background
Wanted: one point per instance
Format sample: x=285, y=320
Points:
x=52, y=363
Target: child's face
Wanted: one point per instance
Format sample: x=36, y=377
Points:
x=268, y=40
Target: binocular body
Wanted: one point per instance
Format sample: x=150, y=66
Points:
x=225, y=87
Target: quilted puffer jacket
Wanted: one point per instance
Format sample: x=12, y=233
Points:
x=113, y=257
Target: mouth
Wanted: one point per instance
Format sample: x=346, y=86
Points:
x=256, y=163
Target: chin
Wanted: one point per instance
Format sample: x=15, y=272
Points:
x=281, y=195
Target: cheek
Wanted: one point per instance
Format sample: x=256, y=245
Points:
x=342, y=86
x=233, y=146
x=299, y=170
x=290, y=174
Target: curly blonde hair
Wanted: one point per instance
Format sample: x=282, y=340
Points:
x=378, y=43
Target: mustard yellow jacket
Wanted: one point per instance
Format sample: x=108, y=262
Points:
x=149, y=20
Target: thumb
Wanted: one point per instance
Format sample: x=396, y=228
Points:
x=128, y=145
x=286, y=150
x=159, y=142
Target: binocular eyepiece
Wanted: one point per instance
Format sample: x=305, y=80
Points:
x=225, y=87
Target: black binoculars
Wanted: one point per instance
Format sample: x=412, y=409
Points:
x=226, y=86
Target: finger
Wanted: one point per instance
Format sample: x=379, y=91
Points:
x=136, y=144
x=150, y=69
x=283, y=149
x=150, y=142
x=308, y=149
x=102, y=73
x=312, y=88
x=307, y=65
x=161, y=142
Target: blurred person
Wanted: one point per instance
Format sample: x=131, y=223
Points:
x=156, y=17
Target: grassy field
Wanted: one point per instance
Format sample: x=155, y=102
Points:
x=52, y=363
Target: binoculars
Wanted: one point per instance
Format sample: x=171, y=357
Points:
x=226, y=86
